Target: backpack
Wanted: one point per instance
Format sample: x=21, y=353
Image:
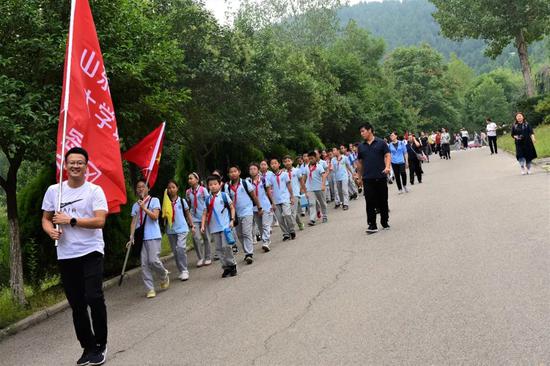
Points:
x=245, y=185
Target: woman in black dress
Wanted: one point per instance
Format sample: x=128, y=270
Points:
x=524, y=138
x=414, y=150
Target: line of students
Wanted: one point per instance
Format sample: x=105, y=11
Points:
x=220, y=212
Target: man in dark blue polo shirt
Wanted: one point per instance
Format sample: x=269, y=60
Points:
x=374, y=165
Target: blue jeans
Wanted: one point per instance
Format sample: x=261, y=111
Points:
x=524, y=163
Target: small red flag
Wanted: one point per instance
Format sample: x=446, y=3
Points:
x=146, y=154
x=87, y=115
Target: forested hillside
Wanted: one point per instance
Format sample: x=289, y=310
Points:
x=411, y=23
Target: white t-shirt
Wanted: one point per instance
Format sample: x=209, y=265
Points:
x=491, y=129
x=79, y=203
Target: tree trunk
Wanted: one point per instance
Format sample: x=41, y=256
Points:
x=16, y=262
x=525, y=66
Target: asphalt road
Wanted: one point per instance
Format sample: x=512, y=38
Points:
x=462, y=278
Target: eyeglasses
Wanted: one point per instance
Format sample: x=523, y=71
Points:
x=76, y=163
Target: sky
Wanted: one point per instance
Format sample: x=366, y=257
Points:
x=219, y=7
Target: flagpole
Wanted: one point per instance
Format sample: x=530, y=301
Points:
x=155, y=152
x=67, y=83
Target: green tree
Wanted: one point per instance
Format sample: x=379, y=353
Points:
x=429, y=94
x=499, y=22
x=486, y=99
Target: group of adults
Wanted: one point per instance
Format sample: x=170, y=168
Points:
x=221, y=212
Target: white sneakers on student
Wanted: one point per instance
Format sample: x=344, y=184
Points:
x=184, y=276
x=165, y=282
x=207, y=262
x=200, y=263
x=407, y=189
x=400, y=191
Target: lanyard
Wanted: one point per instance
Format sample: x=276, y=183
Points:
x=290, y=174
x=210, y=208
x=141, y=211
x=312, y=170
x=235, y=189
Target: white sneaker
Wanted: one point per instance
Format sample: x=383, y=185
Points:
x=207, y=262
x=523, y=172
x=407, y=189
x=400, y=191
x=184, y=276
x=200, y=263
x=529, y=171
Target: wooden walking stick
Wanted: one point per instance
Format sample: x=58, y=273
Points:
x=128, y=249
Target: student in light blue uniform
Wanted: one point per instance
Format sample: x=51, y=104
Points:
x=219, y=216
x=283, y=199
x=263, y=192
x=342, y=171
x=295, y=175
x=177, y=228
x=146, y=212
x=266, y=174
x=352, y=187
x=244, y=198
x=196, y=197
x=315, y=186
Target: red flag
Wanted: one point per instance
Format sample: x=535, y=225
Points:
x=87, y=117
x=146, y=154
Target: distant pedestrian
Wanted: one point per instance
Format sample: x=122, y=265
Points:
x=492, y=135
x=465, y=137
x=374, y=166
x=524, y=137
x=399, y=162
x=314, y=182
x=445, y=144
x=415, y=164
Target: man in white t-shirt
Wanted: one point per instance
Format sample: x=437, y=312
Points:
x=77, y=229
x=492, y=135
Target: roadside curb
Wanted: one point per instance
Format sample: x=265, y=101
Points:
x=44, y=314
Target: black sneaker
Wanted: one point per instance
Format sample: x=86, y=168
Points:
x=386, y=226
x=372, y=229
x=336, y=207
x=233, y=271
x=226, y=272
x=286, y=237
x=311, y=223
x=98, y=357
x=292, y=236
x=345, y=208
x=248, y=259
x=84, y=359
x=235, y=249
x=258, y=238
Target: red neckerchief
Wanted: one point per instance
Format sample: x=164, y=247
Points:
x=196, y=196
x=312, y=170
x=210, y=208
x=289, y=174
x=173, y=210
x=256, y=185
x=278, y=177
x=235, y=190
x=141, y=211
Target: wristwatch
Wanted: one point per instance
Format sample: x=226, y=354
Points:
x=73, y=222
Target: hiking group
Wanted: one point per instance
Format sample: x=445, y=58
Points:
x=287, y=192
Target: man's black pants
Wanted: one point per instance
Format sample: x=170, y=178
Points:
x=376, y=197
x=493, y=144
x=83, y=284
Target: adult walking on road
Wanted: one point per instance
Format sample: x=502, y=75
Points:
x=80, y=252
x=525, y=141
x=465, y=137
x=415, y=165
x=399, y=162
x=492, y=135
x=374, y=165
x=445, y=144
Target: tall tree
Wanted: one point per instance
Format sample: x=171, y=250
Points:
x=499, y=22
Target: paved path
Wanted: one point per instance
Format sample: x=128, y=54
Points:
x=461, y=278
